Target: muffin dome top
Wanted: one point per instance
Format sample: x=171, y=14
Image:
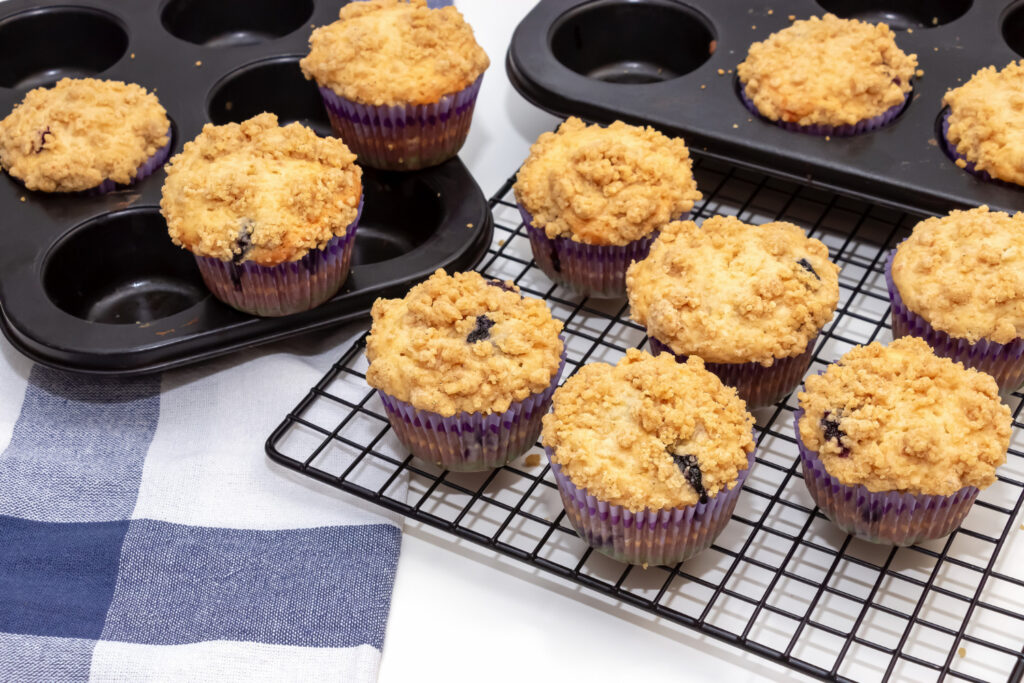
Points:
x=827, y=71
x=900, y=418
x=964, y=274
x=730, y=292
x=384, y=52
x=649, y=432
x=608, y=185
x=256, y=191
x=81, y=132
x=986, y=121
x=462, y=343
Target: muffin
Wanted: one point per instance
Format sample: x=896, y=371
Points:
x=958, y=282
x=827, y=76
x=465, y=368
x=85, y=135
x=269, y=212
x=895, y=442
x=983, y=127
x=749, y=300
x=593, y=199
x=649, y=455
x=399, y=80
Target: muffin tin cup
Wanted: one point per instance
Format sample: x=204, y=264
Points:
x=845, y=130
x=886, y=517
x=1004, y=362
x=471, y=442
x=756, y=384
x=588, y=269
x=290, y=287
x=147, y=168
x=649, y=537
x=403, y=137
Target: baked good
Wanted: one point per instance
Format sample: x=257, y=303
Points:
x=593, y=199
x=649, y=455
x=895, y=442
x=827, y=76
x=269, y=212
x=465, y=368
x=399, y=80
x=749, y=300
x=85, y=134
x=958, y=282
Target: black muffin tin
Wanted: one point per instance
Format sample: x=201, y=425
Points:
x=94, y=284
x=657, y=62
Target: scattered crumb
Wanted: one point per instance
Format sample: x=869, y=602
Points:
x=469, y=225
x=438, y=194
x=228, y=105
x=501, y=243
x=827, y=138
x=132, y=56
x=712, y=46
x=771, y=11
x=1021, y=526
x=935, y=143
x=23, y=199
x=735, y=125
x=935, y=21
x=792, y=17
x=919, y=73
x=962, y=652
x=753, y=27
x=721, y=72
x=644, y=565
x=750, y=120
x=728, y=71
x=199, y=62
x=936, y=49
x=961, y=163
x=910, y=30
x=532, y=460
x=702, y=86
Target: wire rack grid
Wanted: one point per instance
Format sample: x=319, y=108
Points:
x=781, y=581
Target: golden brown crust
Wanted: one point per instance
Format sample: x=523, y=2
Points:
x=986, y=121
x=395, y=52
x=907, y=419
x=608, y=185
x=81, y=132
x=964, y=274
x=614, y=430
x=827, y=71
x=432, y=349
x=734, y=293
x=256, y=191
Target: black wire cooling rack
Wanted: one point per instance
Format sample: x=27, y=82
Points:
x=781, y=581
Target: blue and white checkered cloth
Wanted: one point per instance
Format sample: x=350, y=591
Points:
x=144, y=535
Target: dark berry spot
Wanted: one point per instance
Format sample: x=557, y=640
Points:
x=690, y=468
x=243, y=243
x=501, y=284
x=831, y=430
x=808, y=267
x=482, y=330
x=42, y=140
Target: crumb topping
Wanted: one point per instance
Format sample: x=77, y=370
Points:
x=986, y=121
x=730, y=292
x=383, y=52
x=256, y=191
x=964, y=274
x=900, y=418
x=81, y=132
x=608, y=185
x=649, y=432
x=827, y=71
x=461, y=343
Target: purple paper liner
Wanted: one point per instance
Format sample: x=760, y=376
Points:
x=950, y=149
x=290, y=287
x=756, y=384
x=588, y=269
x=652, y=537
x=403, y=137
x=845, y=130
x=888, y=517
x=1004, y=362
x=471, y=442
x=147, y=168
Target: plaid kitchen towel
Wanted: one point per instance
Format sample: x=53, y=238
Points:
x=144, y=535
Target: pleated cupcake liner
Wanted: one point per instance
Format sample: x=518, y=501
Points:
x=147, y=169
x=756, y=384
x=886, y=517
x=290, y=287
x=1004, y=362
x=587, y=269
x=950, y=149
x=845, y=130
x=652, y=537
x=403, y=137
x=471, y=442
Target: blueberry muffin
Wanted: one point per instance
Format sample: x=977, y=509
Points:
x=465, y=368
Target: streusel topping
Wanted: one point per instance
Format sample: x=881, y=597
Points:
x=395, y=52
x=649, y=432
x=256, y=191
x=827, y=71
x=608, y=185
x=986, y=121
x=900, y=418
x=460, y=343
x=730, y=292
x=81, y=132
x=964, y=274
